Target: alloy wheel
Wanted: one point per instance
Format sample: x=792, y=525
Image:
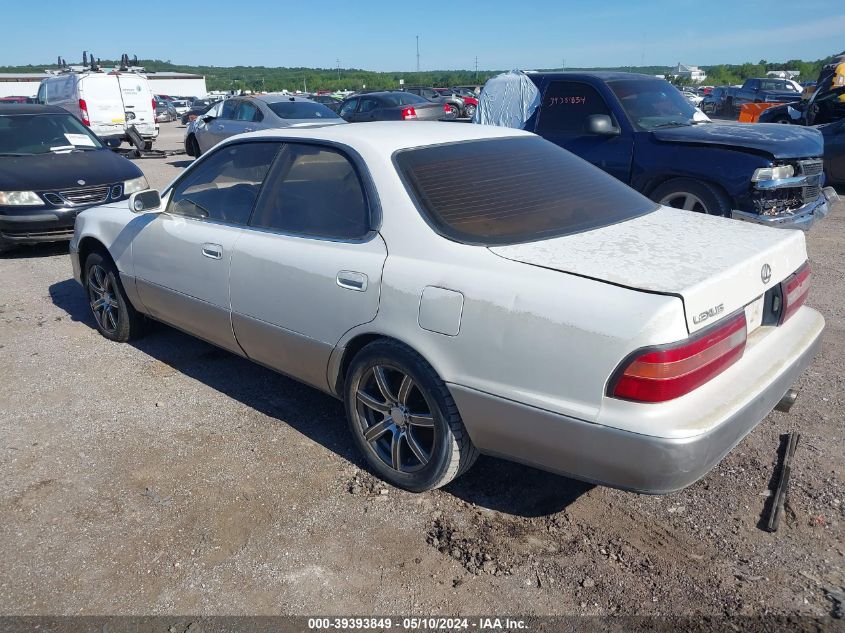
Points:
x=103, y=299
x=684, y=200
x=395, y=418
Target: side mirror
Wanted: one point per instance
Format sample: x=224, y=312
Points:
x=145, y=201
x=601, y=125
x=208, y=118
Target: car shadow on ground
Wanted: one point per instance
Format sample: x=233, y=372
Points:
x=492, y=483
x=47, y=249
x=181, y=164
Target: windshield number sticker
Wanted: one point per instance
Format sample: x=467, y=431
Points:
x=80, y=140
x=567, y=101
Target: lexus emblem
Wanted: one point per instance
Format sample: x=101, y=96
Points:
x=80, y=182
x=766, y=273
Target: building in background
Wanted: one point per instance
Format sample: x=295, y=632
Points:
x=163, y=83
x=690, y=73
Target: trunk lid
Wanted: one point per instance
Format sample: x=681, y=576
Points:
x=715, y=265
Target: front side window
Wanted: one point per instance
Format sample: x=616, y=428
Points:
x=512, y=190
x=313, y=191
x=228, y=110
x=368, y=104
x=566, y=106
x=225, y=185
x=348, y=108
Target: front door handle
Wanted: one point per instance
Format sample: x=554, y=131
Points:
x=351, y=280
x=248, y=129
x=220, y=127
x=213, y=251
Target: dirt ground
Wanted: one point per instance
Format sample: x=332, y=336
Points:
x=170, y=477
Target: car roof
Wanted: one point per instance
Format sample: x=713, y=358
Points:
x=390, y=136
x=30, y=108
x=604, y=75
x=279, y=98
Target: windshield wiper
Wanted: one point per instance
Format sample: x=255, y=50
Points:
x=674, y=124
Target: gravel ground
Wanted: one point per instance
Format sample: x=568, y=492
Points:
x=168, y=477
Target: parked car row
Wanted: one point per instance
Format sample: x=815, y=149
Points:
x=285, y=200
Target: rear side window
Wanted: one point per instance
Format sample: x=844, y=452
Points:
x=313, y=191
x=507, y=191
x=566, y=106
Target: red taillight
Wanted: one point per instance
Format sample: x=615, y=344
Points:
x=671, y=372
x=83, y=110
x=408, y=113
x=154, y=109
x=795, y=289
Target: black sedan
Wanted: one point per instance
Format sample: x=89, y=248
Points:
x=392, y=106
x=332, y=103
x=834, y=152
x=51, y=168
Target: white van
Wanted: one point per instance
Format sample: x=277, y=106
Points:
x=105, y=102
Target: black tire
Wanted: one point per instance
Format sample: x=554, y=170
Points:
x=429, y=425
x=5, y=246
x=148, y=145
x=709, y=199
x=117, y=319
x=470, y=111
x=192, y=147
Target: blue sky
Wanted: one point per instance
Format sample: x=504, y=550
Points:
x=381, y=35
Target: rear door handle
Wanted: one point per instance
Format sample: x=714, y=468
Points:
x=213, y=251
x=351, y=280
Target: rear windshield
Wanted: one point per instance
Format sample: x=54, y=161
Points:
x=401, y=99
x=26, y=134
x=301, y=110
x=507, y=191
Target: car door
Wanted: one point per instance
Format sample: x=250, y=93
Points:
x=247, y=118
x=308, y=268
x=217, y=130
x=564, y=111
x=181, y=257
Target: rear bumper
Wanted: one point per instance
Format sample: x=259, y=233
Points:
x=41, y=225
x=615, y=457
x=803, y=218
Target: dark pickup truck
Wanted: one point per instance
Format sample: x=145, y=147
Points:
x=765, y=90
x=641, y=130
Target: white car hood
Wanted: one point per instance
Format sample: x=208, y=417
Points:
x=708, y=261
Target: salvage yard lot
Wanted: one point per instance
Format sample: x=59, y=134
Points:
x=168, y=476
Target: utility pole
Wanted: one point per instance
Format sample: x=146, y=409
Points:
x=418, y=53
x=476, y=67
x=338, y=68
x=564, y=63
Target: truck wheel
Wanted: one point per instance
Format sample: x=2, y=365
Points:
x=404, y=419
x=692, y=195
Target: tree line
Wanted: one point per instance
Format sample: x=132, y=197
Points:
x=272, y=79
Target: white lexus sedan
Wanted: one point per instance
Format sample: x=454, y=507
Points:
x=467, y=289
